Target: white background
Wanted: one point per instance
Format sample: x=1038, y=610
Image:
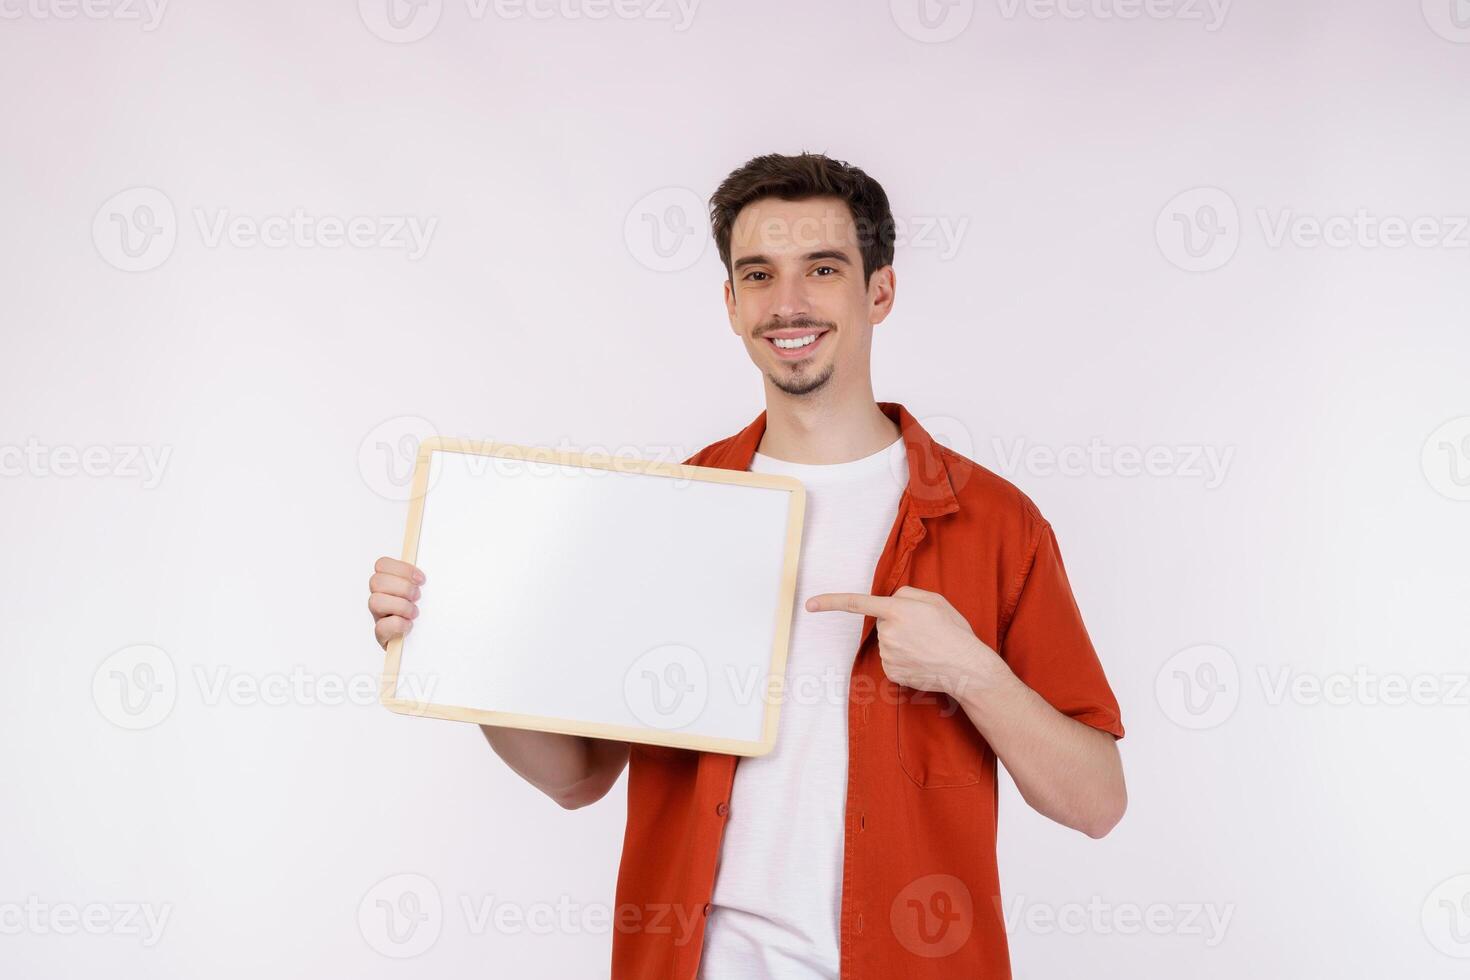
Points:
x=1062, y=308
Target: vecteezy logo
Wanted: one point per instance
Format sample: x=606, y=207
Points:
x=387, y=455
x=932, y=916
x=400, y=21
x=135, y=230
x=1446, y=917
x=1199, y=230
x=1446, y=459
x=401, y=916
x=1450, y=19
x=664, y=231
x=136, y=687
x=932, y=21
x=667, y=687
x=1199, y=687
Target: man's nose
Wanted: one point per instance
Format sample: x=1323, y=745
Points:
x=791, y=298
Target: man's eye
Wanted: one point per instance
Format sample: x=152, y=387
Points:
x=752, y=275
x=825, y=268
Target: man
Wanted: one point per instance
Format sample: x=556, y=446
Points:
x=930, y=590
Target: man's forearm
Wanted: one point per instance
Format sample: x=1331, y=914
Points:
x=571, y=769
x=1066, y=770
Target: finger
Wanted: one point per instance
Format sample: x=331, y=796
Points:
x=935, y=599
x=388, y=627
x=854, y=602
x=391, y=605
x=393, y=585
x=402, y=569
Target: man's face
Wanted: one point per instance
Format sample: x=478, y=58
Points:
x=797, y=295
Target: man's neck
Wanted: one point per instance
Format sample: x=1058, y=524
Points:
x=833, y=429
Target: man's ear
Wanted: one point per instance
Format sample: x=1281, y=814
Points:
x=730, y=307
x=881, y=290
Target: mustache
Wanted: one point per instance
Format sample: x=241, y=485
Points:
x=804, y=323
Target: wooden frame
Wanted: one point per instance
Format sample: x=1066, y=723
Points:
x=774, y=681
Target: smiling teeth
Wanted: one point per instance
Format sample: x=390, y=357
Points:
x=794, y=342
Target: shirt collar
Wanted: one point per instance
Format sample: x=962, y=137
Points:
x=929, y=489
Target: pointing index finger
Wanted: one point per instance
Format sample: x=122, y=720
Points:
x=877, y=606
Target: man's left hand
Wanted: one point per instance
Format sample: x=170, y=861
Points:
x=923, y=641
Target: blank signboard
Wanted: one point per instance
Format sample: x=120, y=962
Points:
x=598, y=595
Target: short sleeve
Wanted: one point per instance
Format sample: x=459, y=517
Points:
x=1047, y=646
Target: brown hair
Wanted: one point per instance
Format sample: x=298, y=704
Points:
x=796, y=178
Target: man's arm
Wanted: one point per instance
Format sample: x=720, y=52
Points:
x=1064, y=769
x=571, y=769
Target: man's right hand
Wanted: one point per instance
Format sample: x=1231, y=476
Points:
x=393, y=588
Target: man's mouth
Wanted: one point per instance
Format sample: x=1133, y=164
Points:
x=794, y=344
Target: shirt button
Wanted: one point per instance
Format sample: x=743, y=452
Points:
x=860, y=922
x=708, y=908
x=723, y=808
x=862, y=821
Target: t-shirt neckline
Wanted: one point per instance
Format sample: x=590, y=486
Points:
x=863, y=466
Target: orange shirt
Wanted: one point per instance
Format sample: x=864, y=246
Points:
x=920, y=889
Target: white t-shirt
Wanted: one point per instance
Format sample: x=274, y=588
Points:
x=778, y=886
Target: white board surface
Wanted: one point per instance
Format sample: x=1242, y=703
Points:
x=649, y=602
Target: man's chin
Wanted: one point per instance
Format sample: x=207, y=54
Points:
x=800, y=383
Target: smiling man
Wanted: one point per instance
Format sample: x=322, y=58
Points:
x=935, y=634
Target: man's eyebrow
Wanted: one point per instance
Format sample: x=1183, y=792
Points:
x=826, y=253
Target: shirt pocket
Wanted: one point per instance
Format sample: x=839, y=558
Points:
x=938, y=747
